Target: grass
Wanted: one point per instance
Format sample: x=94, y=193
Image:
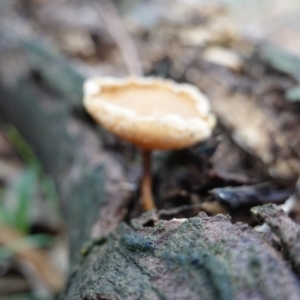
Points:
x=25, y=187
x=17, y=213
x=17, y=203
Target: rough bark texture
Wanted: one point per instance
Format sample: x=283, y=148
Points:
x=287, y=231
x=199, y=258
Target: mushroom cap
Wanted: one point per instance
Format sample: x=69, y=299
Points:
x=151, y=113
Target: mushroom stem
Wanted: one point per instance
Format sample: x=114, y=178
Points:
x=146, y=187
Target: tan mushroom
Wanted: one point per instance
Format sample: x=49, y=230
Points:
x=151, y=113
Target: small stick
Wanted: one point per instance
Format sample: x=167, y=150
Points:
x=117, y=30
x=146, y=186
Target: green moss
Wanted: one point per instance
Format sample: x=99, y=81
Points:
x=135, y=242
x=217, y=249
x=209, y=270
x=255, y=265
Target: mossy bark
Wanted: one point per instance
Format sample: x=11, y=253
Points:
x=284, y=228
x=199, y=258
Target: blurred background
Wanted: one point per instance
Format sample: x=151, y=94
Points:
x=116, y=38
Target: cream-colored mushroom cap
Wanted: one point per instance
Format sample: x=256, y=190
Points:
x=149, y=112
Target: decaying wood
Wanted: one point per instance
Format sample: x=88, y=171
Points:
x=287, y=231
x=199, y=258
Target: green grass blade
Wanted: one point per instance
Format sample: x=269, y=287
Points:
x=25, y=193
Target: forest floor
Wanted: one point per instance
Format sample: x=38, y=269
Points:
x=253, y=157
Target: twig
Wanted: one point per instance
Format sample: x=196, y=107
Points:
x=117, y=30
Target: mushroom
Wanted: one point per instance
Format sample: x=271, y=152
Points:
x=150, y=113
